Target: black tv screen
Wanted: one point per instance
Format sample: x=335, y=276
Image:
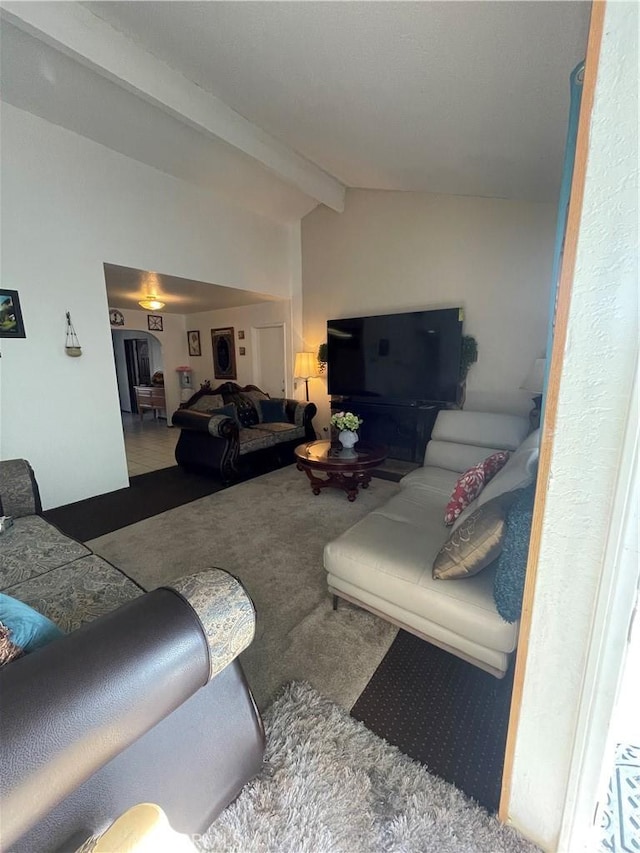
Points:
x=396, y=357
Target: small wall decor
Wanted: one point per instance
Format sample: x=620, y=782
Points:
x=154, y=322
x=243, y=350
x=224, y=353
x=116, y=318
x=11, y=325
x=72, y=344
x=240, y=335
x=193, y=339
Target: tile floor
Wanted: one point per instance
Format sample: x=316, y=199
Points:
x=149, y=444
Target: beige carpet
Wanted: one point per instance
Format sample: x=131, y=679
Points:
x=270, y=532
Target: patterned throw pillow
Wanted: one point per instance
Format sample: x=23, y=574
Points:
x=29, y=629
x=492, y=464
x=467, y=488
x=8, y=649
x=473, y=545
x=207, y=403
x=247, y=412
x=511, y=567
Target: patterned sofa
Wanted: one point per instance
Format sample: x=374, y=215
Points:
x=229, y=425
x=142, y=700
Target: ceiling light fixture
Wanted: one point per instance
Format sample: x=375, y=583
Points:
x=151, y=303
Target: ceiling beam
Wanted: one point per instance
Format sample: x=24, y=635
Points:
x=74, y=30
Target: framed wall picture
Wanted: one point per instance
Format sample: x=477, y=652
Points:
x=240, y=335
x=194, y=343
x=243, y=350
x=11, y=323
x=224, y=353
x=154, y=322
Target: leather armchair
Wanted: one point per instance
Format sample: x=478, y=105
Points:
x=147, y=703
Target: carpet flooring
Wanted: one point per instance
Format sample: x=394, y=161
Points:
x=270, y=532
x=442, y=711
x=329, y=785
x=147, y=495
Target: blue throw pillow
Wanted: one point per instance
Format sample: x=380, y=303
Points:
x=229, y=411
x=511, y=565
x=29, y=629
x=272, y=412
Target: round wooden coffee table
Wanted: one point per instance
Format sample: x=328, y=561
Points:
x=345, y=469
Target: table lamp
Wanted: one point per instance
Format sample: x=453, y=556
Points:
x=306, y=367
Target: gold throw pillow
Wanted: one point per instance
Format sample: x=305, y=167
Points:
x=474, y=544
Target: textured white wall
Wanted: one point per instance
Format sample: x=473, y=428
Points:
x=68, y=206
x=393, y=251
x=599, y=362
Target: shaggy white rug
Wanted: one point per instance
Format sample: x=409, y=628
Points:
x=329, y=785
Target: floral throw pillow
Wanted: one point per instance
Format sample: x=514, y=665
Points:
x=492, y=464
x=467, y=488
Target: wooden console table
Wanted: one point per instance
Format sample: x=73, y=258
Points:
x=345, y=469
x=150, y=397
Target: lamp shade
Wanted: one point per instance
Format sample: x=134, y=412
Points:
x=152, y=303
x=534, y=380
x=306, y=365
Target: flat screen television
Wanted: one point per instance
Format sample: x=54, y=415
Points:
x=396, y=358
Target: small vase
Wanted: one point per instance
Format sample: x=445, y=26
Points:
x=347, y=438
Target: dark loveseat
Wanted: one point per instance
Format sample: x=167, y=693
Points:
x=217, y=441
x=143, y=700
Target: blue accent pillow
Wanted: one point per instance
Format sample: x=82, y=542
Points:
x=272, y=412
x=511, y=565
x=29, y=629
x=229, y=411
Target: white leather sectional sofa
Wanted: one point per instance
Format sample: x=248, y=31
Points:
x=384, y=562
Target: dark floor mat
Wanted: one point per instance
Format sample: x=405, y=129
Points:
x=443, y=712
x=147, y=495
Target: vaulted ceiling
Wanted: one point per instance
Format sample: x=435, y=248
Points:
x=282, y=105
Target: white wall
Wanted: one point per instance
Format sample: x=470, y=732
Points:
x=68, y=206
x=593, y=409
x=246, y=318
x=392, y=251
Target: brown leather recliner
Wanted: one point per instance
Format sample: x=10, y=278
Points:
x=144, y=704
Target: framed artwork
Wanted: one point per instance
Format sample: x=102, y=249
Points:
x=116, y=318
x=194, y=343
x=11, y=323
x=154, y=322
x=243, y=351
x=224, y=353
x=240, y=335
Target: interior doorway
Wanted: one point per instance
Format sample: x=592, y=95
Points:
x=269, y=359
x=138, y=364
x=138, y=358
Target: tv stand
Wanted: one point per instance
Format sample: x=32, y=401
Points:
x=404, y=427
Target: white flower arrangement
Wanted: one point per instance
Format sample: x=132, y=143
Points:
x=346, y=420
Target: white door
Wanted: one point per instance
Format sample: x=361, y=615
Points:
x=269, y=366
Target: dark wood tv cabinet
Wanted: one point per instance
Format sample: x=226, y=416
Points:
x=404, y=429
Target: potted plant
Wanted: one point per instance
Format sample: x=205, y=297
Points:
x=347, y=423
x=322, y=358
x=468, y=356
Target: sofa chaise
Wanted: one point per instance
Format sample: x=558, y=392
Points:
x=143, y=699
x=222, y=427
x=384, y=562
